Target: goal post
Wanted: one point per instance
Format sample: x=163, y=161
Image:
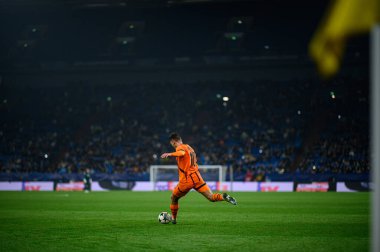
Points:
x=158, y=173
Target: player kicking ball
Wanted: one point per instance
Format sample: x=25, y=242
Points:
x=189, y=176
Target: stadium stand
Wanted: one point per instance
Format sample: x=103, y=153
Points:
x=118, y=131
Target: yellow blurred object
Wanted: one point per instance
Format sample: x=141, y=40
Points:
x=344, y=19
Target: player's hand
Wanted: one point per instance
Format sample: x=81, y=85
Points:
x=165, y=155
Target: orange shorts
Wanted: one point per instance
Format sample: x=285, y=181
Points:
x=194, y=181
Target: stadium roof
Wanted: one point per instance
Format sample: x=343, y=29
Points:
x=39, y=32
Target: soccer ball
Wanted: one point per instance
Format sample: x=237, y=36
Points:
x=164, y=217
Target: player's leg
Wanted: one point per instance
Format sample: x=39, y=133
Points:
x=174, y=207
x=213, y=197
x=201, y=186
x=178, y=192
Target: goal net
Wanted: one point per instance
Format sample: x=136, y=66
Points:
x=210, y=173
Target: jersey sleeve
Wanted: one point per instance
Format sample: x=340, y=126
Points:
x=179, y=148
x=179, y=152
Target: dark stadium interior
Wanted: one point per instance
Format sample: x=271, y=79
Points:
x=101, y=84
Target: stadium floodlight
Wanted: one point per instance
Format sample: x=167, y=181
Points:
x=332, y=94
x=241, y=24
x=125, y=40
x=233, y=35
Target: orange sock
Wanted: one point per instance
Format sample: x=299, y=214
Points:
x=217, y=197
x=174, y=209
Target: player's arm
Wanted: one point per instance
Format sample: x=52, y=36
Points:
x=178, y=153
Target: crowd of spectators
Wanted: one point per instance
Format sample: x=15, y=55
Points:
x=342, y=150
x=258, y=128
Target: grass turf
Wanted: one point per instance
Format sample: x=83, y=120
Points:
x=127, y=221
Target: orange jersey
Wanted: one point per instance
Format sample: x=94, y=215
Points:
x=187, y=163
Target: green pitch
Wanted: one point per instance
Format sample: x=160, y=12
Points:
x=127, y=221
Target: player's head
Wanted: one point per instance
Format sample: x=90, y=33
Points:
x=175, y=139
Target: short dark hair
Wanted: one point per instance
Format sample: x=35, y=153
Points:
x=175, y=136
